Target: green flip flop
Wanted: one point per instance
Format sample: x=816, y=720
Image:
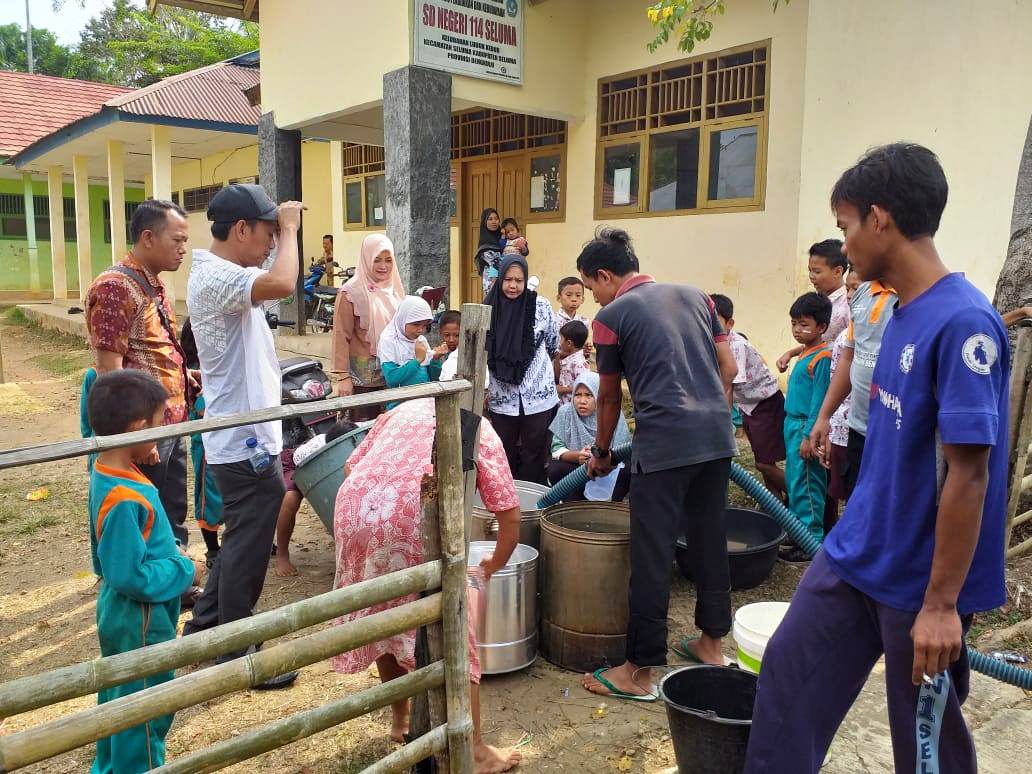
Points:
x=616, y=693
x=685, y=652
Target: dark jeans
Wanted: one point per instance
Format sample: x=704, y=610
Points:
x=687, y=501
x=526, y=439
x=818, y=661
x=558, y=470
x=169, y=478
x=251, y=504
x=854, y=453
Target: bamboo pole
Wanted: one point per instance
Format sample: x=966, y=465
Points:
x=67, y=733
x=34, y=691
x=412, y=753
x=1020, y=461
x=1019, y=380
x=453, y=584
x=65, y=449
x=1020, y=548
x=476, y=321
x=280, y=733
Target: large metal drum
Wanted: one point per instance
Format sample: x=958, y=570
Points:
x=505, y=610
x=585, y=576
x=485, y=525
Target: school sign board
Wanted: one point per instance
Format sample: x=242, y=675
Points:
x=477, y=38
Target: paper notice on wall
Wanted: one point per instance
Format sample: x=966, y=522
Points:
x=377, y=213
x=622, y=186
x=537, y=193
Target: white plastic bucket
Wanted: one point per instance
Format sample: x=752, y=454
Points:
x=754, y=625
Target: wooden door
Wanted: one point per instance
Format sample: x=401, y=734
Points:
x=479, y=192
x=512, y=188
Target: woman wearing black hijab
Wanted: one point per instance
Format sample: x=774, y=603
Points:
x=489, y=248
x=522, y=398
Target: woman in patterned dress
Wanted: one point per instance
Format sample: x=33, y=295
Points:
x=376, y=528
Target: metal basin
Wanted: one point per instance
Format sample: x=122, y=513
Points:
x=505, y=609
x=485, y=525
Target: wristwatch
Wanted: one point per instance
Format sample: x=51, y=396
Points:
x=599, y=453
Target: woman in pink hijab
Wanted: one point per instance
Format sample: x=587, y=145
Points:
x=364, y=308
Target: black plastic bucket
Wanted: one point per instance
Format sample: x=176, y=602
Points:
x=709, y=710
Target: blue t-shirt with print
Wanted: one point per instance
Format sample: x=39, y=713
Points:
x=941, y=378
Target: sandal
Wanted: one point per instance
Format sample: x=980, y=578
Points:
x=616, y=693
x=683, y=650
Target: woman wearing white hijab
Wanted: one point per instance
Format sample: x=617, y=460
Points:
x=404, y=353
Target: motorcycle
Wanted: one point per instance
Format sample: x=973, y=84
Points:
x=320, y=299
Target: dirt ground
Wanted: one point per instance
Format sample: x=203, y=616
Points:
x=48, y=595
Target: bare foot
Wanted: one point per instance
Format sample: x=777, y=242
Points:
x=624, y=679
x=707, y=650
x=491, y=760
x=284, y=568
x=399, y=727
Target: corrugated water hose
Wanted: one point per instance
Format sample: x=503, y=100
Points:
x=805, y=539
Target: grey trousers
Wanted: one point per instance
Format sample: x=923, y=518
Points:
x=169, y=478
x=251, y=504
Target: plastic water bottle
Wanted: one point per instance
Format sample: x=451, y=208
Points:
x=258, y=456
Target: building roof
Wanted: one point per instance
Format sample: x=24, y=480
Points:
x=33, y=106
x=238, y=9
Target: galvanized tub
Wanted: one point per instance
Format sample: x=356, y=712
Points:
x=585, y=576
x=485, y=525
x=504, y=609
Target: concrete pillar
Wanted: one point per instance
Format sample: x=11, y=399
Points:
x=55, y=194
x=417, y=145
x=82, y=222
x=30, y=231
x=161, y=162
x=337, y=199
x=116, y=199
x=279, y=170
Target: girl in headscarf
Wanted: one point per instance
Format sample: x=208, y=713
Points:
x=520, y=346
x=489, y=247
x=404, y=353
x=573, y=433
x=363, y=310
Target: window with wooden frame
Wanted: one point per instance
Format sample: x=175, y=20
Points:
x=13, y=224
x=130, y=210
x=365, y=198
x=687, y=136
x=198, y=199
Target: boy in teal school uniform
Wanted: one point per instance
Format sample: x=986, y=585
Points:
x=806, y=478
x=142, y=569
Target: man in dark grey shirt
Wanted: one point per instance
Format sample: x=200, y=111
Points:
x=669, y=344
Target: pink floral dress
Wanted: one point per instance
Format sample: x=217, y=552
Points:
x=376, y=520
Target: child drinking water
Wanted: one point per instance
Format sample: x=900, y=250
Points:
x=573, y=433
x=405, y=355
x=569, y=361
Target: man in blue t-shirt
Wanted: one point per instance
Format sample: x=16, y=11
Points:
x=920, y=546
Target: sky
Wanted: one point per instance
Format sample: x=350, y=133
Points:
x=66, y=23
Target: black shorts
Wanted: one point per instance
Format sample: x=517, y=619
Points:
x=854, y=453
x=765, y=429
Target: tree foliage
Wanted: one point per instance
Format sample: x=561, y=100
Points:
x=49, y=56
x=688, y=21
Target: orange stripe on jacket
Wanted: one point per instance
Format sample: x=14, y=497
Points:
x=816, y=359
x=120, y=494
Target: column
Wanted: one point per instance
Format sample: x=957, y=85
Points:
x=279, y=170
x=30, y=232
x=82, y=222
x=417, y=145
x=337, y=198
x=161, y=162
x=55, y=194
x=116, y=199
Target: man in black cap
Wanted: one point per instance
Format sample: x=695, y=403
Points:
x=240, y=372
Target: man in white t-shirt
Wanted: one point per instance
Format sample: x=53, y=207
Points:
x=240, y=372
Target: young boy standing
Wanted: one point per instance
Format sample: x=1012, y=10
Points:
x=919, y=549
x=806, y=478
x=760, y=400
x=142, y=569
x=569, y=360
x=827, y=268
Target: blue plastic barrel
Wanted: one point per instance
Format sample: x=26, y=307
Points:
x=320, y=476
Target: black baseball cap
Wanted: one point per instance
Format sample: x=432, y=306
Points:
x=241, y=201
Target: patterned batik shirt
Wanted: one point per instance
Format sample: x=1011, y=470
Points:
x=754, y=382
x=537, y=391
x=120, y=317
x=839, y=434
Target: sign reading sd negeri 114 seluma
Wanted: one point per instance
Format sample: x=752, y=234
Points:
x=478, y=38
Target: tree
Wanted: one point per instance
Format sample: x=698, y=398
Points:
x=1014, y=285
x=689, y=20
x=49, y=56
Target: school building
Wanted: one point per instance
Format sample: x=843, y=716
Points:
x=411, y=116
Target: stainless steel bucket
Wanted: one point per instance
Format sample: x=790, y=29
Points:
x=485, y=526
x=585, y=576
x=505, y=609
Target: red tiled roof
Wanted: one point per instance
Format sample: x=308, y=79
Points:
x=33, y=106
x=212, y=93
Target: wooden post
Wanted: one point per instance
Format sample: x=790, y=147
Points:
x=453, y=592
x=476, y=321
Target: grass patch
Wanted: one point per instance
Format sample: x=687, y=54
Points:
x=991, y=620
x=32, y=526
x=63, y=363
x=15, y=316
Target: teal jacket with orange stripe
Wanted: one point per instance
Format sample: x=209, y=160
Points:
x=807, y=386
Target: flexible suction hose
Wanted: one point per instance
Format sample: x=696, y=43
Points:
x=1000, y=670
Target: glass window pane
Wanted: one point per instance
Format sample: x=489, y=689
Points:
x=13, y=227
x=674, y=183
x=69, y=228
x=620, y=169
x=376, y=201
x=732, y=167
x=353, y=202
x=452, y=193
x=43, y=228
x=545, y=183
